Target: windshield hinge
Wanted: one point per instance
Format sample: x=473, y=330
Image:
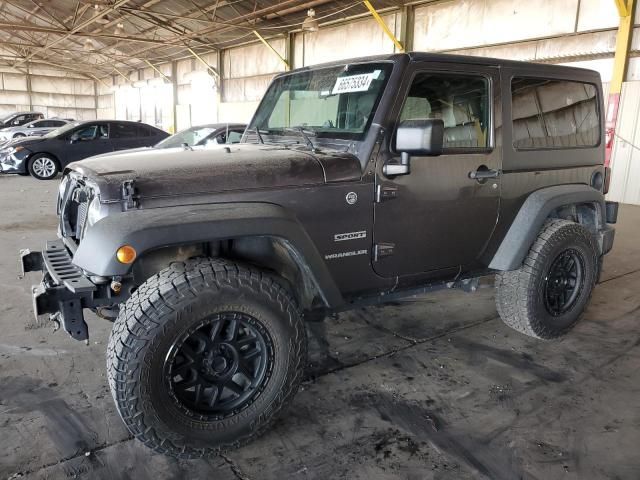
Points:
x=128, y=195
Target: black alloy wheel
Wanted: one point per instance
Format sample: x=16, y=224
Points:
x=218, y=366
x=564, y=282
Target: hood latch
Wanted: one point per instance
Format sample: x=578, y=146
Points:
x=128, y=194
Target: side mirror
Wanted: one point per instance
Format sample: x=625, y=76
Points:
x=74, y=139
x=423, y=137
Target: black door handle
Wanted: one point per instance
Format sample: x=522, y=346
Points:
x=482, y=174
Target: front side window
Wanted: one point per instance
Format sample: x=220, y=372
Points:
x=461, y=101
x=554, y=114
x=334, y=102
x=90, y=132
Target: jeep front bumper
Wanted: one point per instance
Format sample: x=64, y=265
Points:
x=64, y=290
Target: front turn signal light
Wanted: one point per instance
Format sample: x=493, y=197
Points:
x=126, y=254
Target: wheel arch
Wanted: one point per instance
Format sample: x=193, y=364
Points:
x=579, y=203
x=265, y=235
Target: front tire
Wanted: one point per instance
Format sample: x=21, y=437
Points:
x=19, y=135
x=546, y=296
x=204, y=355
x=43, y=166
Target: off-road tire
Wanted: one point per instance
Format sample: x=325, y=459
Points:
x=52, y=170
x=520, y=293
x=168, y=304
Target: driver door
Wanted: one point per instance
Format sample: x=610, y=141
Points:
x=437, y=219
x=86, y=141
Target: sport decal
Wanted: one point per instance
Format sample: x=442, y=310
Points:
x=340, y=237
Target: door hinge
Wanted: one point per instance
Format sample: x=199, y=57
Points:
x=383, y=250
x=385, y=192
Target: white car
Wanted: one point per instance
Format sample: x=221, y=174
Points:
x=34, y=128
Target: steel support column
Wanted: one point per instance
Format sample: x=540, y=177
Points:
x=174, y=86
x=626, y=9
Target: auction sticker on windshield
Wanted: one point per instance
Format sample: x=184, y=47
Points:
x=354, y=83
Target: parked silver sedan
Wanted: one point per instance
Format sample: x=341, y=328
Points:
x=35, y=128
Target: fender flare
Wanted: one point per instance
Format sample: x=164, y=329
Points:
x=150, y=229
x=532, y=215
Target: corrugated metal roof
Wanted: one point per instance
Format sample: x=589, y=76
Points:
x=100, y=37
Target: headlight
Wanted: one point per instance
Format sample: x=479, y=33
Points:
x=95, y=212
x=61, y=189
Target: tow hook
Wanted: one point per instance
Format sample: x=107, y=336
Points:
x=55, y=319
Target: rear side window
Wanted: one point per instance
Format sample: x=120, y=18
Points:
x=554, y=114
x=123, y=130
x=460, y=100
x=144, y=131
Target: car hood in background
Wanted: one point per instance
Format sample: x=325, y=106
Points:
x=179, y=171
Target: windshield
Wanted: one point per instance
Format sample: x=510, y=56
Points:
x=191, y=136
x=333, y=102
x=61, y=130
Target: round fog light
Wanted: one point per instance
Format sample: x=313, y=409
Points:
x=126, y=254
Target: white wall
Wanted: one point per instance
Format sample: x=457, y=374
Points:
x=53, y=92
x=625, y=160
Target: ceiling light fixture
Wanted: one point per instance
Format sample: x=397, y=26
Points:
x=119, y=29
x=310, y=23
x=88, y=45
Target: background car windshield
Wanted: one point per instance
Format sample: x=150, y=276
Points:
x=335, y=102
x=190, y=136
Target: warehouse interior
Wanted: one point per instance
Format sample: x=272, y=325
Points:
x=432, y=386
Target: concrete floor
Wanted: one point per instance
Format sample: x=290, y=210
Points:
x=434, y=387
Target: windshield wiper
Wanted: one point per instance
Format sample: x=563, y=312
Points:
x=257, y=130
x=305, y=134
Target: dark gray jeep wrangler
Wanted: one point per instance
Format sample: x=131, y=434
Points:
x=355, y=183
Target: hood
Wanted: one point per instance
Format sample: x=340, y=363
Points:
x=176, y=171
x=26, y=141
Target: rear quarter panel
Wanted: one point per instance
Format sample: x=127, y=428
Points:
x=525, y=171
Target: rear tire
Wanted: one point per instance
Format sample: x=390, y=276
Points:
x=191, y=328
x=546, y=296
x=19, y=135
x=43, y=166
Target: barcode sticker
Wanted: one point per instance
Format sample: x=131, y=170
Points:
x=353, y=83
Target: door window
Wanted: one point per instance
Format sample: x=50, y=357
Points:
x=461, y=101
x=90, y=132
x=122, y=130
x=235, y=136
x=554, y=114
